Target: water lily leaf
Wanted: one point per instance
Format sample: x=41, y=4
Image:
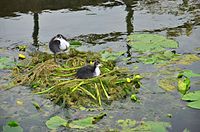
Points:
x=150, y=42
x=192, y=96
x=188, y=73
x=110, y=56
x=55, y=122
x=183, y=85
x=153, y=126
x=12, y=126
x=195, y=104
x=159, y=57
x=86, y=122
x=125, y=124
x=82, y=123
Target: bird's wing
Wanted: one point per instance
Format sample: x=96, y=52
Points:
x=54, y=46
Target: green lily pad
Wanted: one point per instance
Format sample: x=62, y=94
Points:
x=86, y=122
x=150, y=42
x=150, y=126
x=192, y=96
x=188, y=73
x=153, y=126
x=55, y=122
x=195, y=104
x=159, y=57
x=12, y=126
x=82, y=123
x=110, y=56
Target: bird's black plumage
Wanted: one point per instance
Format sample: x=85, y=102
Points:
x=58, y=44
x=88, y=71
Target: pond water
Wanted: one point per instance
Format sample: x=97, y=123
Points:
x=100, y=25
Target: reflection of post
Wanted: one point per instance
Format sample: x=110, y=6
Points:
x=35, y=30
x=129, y=20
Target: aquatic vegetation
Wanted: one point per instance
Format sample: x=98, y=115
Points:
x=150, y=42
x=133, y=125
x=6, y=63
x=55, y=122
x=12, y=126
x=168, y=84
x=90, y=121
x=58, y=82
x=194, y=97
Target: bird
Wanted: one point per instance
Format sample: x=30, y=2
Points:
x=58, y=44
x=89, y=71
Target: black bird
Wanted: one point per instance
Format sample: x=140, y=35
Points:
x=58, y=44
x=89, y=71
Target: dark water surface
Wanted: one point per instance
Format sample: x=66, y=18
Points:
x=100, y=24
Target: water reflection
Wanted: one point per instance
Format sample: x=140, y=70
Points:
x=35, y=30
x=9, y=7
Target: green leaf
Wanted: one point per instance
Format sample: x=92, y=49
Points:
x=195, y=104
x=86, y=122
x=153, y=126
x=188, y=73
x=75, y=44
x=192, y=96
x=55, y=122
x=37, y=106
x=82, y=123
x=183, y=85
x=12, y=126
x=134, y=97
x=150, y=42
x=110, y=56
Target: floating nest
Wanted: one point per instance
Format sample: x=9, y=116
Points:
x=59, y=84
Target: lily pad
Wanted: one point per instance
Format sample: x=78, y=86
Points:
x=150, y=42
x=86, y=122
x=82, y=123
x=110, y=56
x=188, y=73
x=150, y=126
x=153, y=126
x=192, y=96
x=159, y=57
x=195, y=104
x=55, y=122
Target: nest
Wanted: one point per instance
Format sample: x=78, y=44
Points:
x=59, y=84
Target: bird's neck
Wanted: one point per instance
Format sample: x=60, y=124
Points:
x=97, y=71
